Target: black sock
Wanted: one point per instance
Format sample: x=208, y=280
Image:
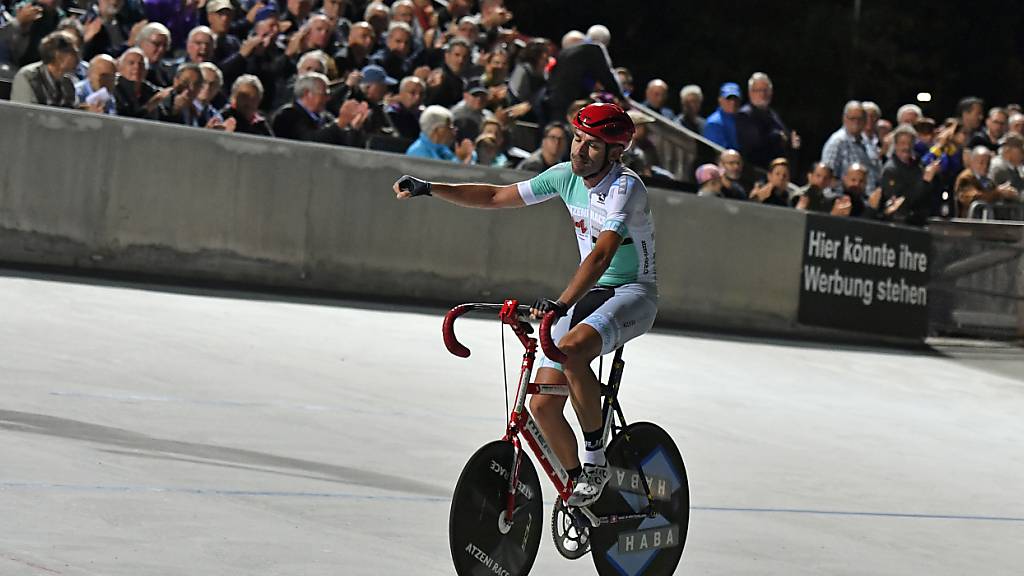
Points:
x=593, y=440
x=575, y=473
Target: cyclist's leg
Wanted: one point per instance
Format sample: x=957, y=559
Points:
x=581, y=345
x=549, y=412
x=629, y=312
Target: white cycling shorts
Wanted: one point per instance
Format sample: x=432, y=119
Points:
x=628, y=313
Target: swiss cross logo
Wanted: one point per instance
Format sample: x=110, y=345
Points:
x=581, y=225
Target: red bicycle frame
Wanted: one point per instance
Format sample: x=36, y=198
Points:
x=519, y=421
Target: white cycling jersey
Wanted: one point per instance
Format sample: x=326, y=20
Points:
x=618, y=202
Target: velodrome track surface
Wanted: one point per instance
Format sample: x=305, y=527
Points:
x=149, y=431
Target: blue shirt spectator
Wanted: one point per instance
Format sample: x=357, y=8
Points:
x=720, y=127
x=437, y=134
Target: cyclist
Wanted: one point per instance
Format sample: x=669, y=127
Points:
x=611, y=298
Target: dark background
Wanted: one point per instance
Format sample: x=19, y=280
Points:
x=810, y=49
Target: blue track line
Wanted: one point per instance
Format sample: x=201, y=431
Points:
x=400, y=498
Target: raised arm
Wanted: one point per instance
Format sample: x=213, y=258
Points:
x=469, y=195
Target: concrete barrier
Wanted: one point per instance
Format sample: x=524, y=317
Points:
x=116, y=194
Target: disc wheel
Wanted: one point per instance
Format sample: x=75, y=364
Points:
x=572, y=539
x=653, y=545
x=482, y=539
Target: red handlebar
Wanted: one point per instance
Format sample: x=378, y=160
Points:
x=448, y=330
x=455, y=347
x=546, y=343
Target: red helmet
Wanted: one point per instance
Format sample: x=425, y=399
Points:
x=608, y=122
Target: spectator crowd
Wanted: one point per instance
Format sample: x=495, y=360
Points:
x=452, y=81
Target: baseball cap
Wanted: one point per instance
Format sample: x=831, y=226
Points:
x=707, y=173
x=730, y=89
x=268, y=11
x=476, y=86
x=218, y=5
x=373, y=74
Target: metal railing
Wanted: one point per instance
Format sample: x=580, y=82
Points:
x=977, y=285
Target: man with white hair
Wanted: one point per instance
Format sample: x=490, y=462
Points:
x=908, y=114
x=306, y=118
x=155, y=41
x=690, y=100
x=572, y=38
x=574, y=75
x=761, y=133
x=600, y=34
x=873, y=112
x=132, y=91
x=437, y=134
x=243, y=108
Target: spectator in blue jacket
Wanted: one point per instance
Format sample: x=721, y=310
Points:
x=437, y=134
x=720, y=127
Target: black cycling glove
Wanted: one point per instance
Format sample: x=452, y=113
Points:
x=545, y=305
x=414, y=186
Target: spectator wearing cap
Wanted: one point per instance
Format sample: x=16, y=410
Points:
x=656, y=98
x=761, y=133
x=394, y=57
x=101, y=78
x=720, y=127
x=573, y=76
x=470, y=112
x=179, y=18
x=908, y=114
x=709, y=178
x=553, y=147
x=731, y=164
x=49, y=81
x=437, y=135
x=775, y=190
x=690, y=100
x=847, y=146
x=404, y=110
x=243, y=107
x=445, y=84
x=306, y=118
x=373, y=87
x=229, y=53
x=814, y=196
x=1006, y=167
x=133, y=93
x=356, y=52
x=995, y=128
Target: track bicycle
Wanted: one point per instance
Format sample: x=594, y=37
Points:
x=638, y=526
